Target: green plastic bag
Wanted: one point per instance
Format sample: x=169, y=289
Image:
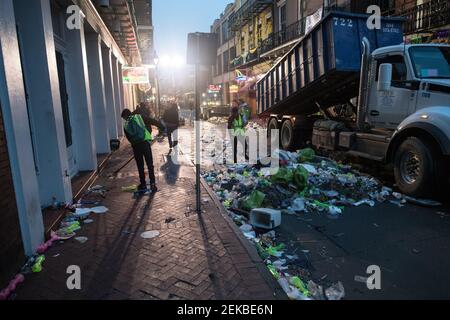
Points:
x=300, y=178
x=273, y=271
x=299, y=284
x=306, y=155
x=275, y=251
x=254, y=200
x=283, y=176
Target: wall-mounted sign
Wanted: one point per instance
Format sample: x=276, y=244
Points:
x=214, y=88
x=135, y=75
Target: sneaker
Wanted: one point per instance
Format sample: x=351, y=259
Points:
x=142, y=188
x=153, y=188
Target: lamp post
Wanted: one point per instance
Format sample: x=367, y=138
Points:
x=158, y=101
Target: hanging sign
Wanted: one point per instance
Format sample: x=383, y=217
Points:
x=135, y=75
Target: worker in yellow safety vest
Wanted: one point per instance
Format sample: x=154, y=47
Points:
x=237, y=127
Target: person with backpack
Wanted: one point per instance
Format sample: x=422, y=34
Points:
x=171, y=119
x=138, y=132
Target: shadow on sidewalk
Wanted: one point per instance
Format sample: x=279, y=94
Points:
x=118, y=250
x=171, y=170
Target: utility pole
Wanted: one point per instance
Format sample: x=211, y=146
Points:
x=197, y=128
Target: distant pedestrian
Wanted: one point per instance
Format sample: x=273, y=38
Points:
x=171, y=120
x=139, y=135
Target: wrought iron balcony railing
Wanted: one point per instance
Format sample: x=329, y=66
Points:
x=246, y=12
x=277, y=39
x=426, y=16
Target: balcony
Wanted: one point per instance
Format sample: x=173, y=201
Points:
x=246, y=12
x=278, y=39
x=426, y=16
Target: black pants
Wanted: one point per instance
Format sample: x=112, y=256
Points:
x=242, y=140
x=143, y=151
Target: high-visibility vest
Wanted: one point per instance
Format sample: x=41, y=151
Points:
x=140, y=135
x=238, y=127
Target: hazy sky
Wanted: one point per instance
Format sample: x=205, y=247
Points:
x=174, y=19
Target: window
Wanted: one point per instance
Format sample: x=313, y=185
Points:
x=226, y=61
x=225, y=31
x=431, y=62
x=282, y=17
x=251, y=39
x=233, y=53
x=399, y=71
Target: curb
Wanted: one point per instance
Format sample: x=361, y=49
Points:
x=278, y=292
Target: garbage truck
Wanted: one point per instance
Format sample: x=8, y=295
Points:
x=347, y=87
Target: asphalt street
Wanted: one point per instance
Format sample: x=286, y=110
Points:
x=409, y=244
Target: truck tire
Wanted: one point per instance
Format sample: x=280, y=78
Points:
x=272, y=125
x=416, y=168
x=288, y=136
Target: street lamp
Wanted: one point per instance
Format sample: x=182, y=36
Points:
x=158, y=101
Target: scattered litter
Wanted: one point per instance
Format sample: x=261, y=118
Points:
x=81, y=239
x=423, y=202
x=88, y=221
x=150, y=234
x=416, y=251
x=12, y=285
x=99, y=209
x=37, y=266
x=132, y=188
x=169, y=220
x=335, y=292
x=265, y=218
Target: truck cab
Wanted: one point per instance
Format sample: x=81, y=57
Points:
x=419, y=78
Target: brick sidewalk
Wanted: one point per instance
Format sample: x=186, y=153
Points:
x=195, y=257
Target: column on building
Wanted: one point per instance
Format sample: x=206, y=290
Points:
x=117, y=94
x=109, y=93
x=14, y=111
x=98, y=97
x=80, y=100
x=34, y=25
x=122, y=93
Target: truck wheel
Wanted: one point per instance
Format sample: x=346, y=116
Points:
x=415, y=167
x=272, y=125
x=287, y=136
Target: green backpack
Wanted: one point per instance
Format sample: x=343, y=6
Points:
x=136, y=130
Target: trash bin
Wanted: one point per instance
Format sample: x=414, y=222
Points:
x=114, y=144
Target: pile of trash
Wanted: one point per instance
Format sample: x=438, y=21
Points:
x=304, y=182
x=295, y=282
x=77, y=214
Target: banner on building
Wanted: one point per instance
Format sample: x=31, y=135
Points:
x=313, y=20
x=135, y=75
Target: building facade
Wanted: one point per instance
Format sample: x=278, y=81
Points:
x=61, y=96
x=262, y=31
